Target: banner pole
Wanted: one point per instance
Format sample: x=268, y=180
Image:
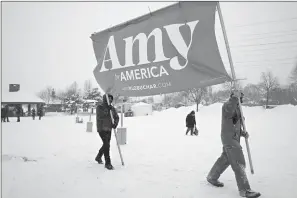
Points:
x=115, y=134
x=122, y=113
x=235, y=84
x=112, y=120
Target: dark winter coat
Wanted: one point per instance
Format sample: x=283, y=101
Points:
x=39, y=112
x=231, y=123
x=190, y=121
x=6, y=111
x=104, y=122
x=3, y=113
x=33, y=112
x=18, y=110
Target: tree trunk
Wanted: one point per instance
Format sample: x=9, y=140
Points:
x=267, y=97
x=197, y=105
x=198, y=100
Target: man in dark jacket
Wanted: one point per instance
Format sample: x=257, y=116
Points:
x=190, y=122
x=40, y=112
x=18, y=112
x=3, y=114
x=232, y=151
x=6, y=113
x=104, y=128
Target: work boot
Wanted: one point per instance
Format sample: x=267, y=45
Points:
x=215, y=182
x=109, y=166
x=99, y=161
x=249, y=194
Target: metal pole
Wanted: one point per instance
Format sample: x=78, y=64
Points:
x=122, y=117
x=235, y=84
x=90, y=118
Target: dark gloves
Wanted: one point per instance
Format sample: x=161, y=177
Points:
x=114, y=126
x=109, y=107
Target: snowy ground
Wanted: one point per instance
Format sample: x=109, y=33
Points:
x=54, y=157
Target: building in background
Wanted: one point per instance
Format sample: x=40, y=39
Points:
x=14, y=96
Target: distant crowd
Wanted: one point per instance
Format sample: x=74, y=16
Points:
x=17, y=111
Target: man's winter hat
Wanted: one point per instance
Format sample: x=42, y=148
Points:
x=192, y=112
x=109, y=97
x=232, y=94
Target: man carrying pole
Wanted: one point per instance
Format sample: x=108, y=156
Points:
x=231, y=131
x=107, y=119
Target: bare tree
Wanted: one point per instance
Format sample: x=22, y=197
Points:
x=168, y=100
x=196, y=94
x=293, y=84
x=46, y=94
x=185, y=97
x=72, y=96
x=72, y=92
x=53, y=94
x=173, y=99
x=61, y=95
x=228, y=86
x=177, y=99
x=252, y=93
x=73, y=89
x=268, y=84
x=87, y=87
x=293, y=76
x=208, y=97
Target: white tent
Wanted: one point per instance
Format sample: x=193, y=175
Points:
x=141, y=109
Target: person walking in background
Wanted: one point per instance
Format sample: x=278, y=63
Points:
x=232, y=151
x=191, y=122
x=3, y=114
x=33, y=113
x=104, y=127
x=39, y=112
x=6, y=113
x=18, y=112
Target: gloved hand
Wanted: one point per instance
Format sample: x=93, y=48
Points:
x=245, y=134
x=109, y=107
x=114, y=126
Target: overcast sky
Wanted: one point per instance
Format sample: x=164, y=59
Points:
x=49, y=43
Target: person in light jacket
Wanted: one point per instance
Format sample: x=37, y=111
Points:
x=232, y=154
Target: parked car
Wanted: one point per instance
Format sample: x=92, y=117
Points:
x=129, y=113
